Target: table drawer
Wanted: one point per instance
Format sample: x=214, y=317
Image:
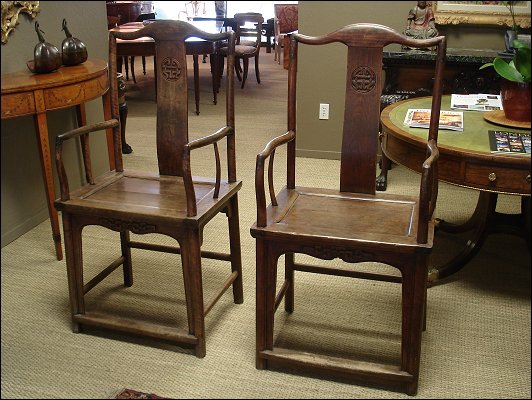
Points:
x=76, y=93
x=17, y=104
x=499, y=179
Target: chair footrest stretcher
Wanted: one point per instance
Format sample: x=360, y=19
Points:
x=157, y=331
x=346, y=367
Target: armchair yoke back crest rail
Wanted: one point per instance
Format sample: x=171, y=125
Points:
x=170, y=202
x=354, y=223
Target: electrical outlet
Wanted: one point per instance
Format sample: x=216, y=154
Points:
x=324, y=111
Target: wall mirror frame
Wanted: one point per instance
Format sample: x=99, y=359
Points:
x=480, y=13
x=10, y=15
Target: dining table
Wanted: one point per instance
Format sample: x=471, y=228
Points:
x=194, y=46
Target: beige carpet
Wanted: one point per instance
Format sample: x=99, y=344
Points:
x=477, y=343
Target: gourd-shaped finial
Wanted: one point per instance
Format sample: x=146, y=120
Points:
x=46, y=57
x=74, y=50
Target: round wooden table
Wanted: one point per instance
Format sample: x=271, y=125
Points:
x=465, y=160
x=26, y=93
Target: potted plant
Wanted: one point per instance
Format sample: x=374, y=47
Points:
x=515, y=82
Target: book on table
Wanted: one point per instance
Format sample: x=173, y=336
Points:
x=420, y=118
x=476, y=102
x=509, y=142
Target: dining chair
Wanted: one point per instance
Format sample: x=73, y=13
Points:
x=353, y=223
x=285, y=21
x=248, y=41
x=171, y=201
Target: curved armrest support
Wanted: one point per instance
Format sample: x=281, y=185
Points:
x=213, y=139
x=428, y=191
x=269, y=151
x=84, y=130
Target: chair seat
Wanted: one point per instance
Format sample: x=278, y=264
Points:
x=330, y=214
x=146, y=194
x=240, y=50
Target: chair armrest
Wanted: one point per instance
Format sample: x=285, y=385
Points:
x=82, y=131
x=269, y=151
x=428, y=192
x=213, y=139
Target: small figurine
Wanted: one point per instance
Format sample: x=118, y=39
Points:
x=74, y=50
x=420, y=24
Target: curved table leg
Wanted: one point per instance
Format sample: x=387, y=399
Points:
x=481, y=221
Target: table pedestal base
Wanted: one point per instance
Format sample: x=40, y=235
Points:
x=485, y=220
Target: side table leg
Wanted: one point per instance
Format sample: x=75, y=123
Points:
x=46, y=165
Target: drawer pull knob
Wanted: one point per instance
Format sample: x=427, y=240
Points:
x=492, y=177
x=528, y=178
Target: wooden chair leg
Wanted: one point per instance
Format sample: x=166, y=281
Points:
x=126, y=253
x=245, y=73
x=133, y=69
x=257, y=72
x=289, y=277
x=266, y=280
x=414, y=289
x=234, y=244
x=191, y=260
x=72, y=275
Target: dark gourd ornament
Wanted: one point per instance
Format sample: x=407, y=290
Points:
x=74, y=50
x=46, y=57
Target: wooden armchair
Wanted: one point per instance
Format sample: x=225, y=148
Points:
x=354, y=223
x=248, y=39
x=170, y=202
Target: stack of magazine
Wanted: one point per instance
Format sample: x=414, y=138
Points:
x=476, y=102
x=509, y=142
x=420, y=118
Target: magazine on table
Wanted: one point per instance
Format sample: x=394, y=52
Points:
x=509, y=142
x=476, y=102
x=420, y=118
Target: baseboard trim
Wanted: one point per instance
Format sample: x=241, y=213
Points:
x=19, y=230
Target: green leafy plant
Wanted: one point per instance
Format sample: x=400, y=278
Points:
x=518, y=69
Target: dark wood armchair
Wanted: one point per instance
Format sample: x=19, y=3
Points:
x=354, y=223
x=170, y=201
x=248, y=40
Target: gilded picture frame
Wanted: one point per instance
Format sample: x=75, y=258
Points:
x=481, y=13
x=10, y=15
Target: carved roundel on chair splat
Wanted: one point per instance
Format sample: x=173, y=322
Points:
x=363, y=79
x=170, y=69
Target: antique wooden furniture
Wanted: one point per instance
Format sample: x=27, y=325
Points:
x=126, y=11
x=170, y=202
x=25, y=93
x=465, y=160
x=248, y=39
x=140, y=18
x=408, y=75
x=285, y=21
x=354, y=223
x=145, y=47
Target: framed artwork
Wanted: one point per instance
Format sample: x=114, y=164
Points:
x=481, y=13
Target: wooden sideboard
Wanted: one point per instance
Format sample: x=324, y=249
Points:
x=410, y=72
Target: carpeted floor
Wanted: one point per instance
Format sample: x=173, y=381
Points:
x=477, y=343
